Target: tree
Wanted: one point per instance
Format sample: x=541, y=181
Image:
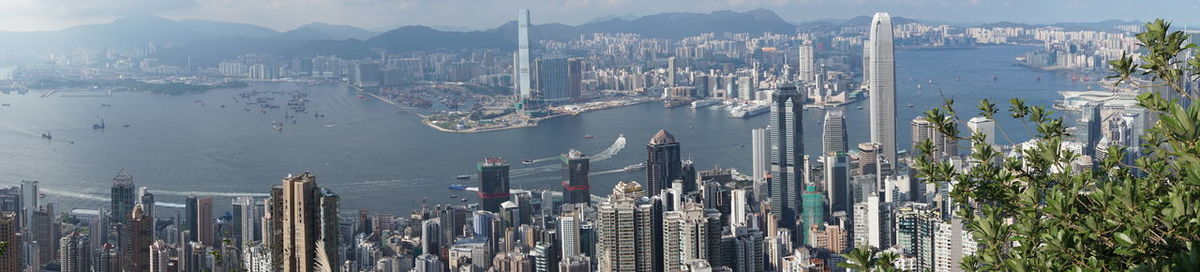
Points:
x=1035, y=212
x=868, y=259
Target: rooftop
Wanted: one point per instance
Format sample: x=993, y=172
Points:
x=662, y=137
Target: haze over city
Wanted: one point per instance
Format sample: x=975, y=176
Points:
x=599, y=135
x=382, y=15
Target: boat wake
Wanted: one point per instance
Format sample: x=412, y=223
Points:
x=91, y=197
x=602, y=155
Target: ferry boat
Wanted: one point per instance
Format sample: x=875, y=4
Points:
x=749, y=111
x=635, y=167
x=527, y=161
x=705, y=103
x=458, y=187
x=463, y=177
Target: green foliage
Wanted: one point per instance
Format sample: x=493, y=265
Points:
x=867, y=259
x=1039, y=212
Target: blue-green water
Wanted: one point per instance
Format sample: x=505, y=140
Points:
x=377, y=158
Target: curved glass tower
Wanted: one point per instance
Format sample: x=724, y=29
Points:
x=882, y=85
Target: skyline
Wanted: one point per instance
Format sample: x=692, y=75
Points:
x=383, y=15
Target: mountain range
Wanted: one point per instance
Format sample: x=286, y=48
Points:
x=206, y=42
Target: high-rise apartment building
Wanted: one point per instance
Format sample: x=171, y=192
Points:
x=626, y=230
x=204, y=222
x=140, y=229
x=309, y=224
x=75, y=253
x=985, y=126
x=807, y=63
x=10, y=240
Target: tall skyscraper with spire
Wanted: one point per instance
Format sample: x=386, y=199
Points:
x=522, y=69
x=787, y=152
x=882, y=85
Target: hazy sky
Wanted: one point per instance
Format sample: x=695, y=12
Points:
x=27, y=15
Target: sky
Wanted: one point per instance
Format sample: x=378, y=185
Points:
x=36, y=15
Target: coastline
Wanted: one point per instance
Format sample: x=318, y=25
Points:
x=532, y=122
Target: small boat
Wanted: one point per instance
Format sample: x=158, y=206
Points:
x=635, y=167
x=126, y=125
x=459, y=187
x=589, y=136
x=464, y=199
x=918, y=86
x=6, y=105
x=527, y=161
x=994, y=78
x=453, y=196
x=105, y=105
x=222, y=106
x=47, y=136
x=463, y=177
x=910, y=105
x=860, y=107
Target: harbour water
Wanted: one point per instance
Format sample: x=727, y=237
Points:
x=376, y=157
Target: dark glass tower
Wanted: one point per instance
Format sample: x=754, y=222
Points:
x=493, y=184
x=663, y=164
x=123, y=196
x=787, y=115
x=576, y=188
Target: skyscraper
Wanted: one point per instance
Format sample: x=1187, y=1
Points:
x=75, y=253
x=916, y=225
x=140, y=229
x=575, y=79
x=552, y=81
x=626, y=230
x=663, y=163
x=204, y=222
x=739, y=208
x=309, y=223
x=190, y=213
x=123, y=196
x=813, y=213
x=985, y=126
x=431, y=237
x=671, y=66
x=29, y=203
x=837, y=182
x=807, y=64
x=523, y=78
x=493, y=184
x=787, y=116
x=1091, y=120
x=760, y=145
x=568, y=231
x=834, y=134
x=923, y=129
x=882, y=85
x=245, y=218
x=576, y=188
x=10, y=240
